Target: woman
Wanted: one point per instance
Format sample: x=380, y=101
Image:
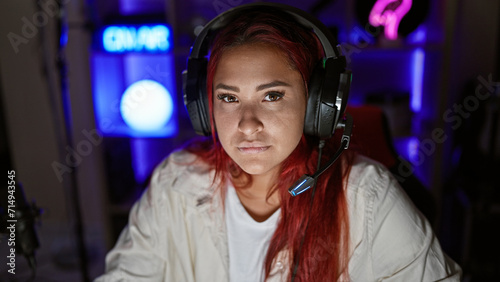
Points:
x=219, y=210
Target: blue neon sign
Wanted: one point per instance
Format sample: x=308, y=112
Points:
x=144, y=38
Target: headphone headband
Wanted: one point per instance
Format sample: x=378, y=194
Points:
x=200, y=46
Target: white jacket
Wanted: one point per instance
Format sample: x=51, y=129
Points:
x=176, y=231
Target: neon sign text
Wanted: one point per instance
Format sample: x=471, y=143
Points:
x=155, y=38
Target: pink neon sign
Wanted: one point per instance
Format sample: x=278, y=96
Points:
x=388, y=13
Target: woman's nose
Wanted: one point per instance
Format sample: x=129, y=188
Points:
x=250, y=122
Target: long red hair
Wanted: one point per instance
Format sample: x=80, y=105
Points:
x=323, y=254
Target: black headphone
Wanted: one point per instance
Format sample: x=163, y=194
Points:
x=328, y=86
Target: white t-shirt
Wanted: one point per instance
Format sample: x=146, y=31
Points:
x=248, y=240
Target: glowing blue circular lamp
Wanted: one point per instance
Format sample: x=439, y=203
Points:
x=146, y=106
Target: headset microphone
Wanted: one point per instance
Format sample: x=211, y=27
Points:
x=307, y=181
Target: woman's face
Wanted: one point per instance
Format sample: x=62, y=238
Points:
x=259, y=105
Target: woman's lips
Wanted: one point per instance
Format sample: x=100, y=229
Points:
x=253, y=149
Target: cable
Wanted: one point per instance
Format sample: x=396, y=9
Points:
x=321, y=145
x=320, y=151
x=306, y=181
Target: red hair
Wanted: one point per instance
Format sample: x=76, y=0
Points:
x=324, y=251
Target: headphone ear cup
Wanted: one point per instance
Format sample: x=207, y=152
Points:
x=194, y=84
x=322, y=109
x=313, y=107
x=328, y=92
x=344, y=89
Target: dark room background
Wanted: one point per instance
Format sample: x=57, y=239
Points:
x=82, y=158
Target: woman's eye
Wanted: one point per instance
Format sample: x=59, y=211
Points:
x=273, y=96
x=227, y=98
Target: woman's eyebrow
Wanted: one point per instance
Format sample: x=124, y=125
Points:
x=227, y=87
x=272, y=84
x=258, y=88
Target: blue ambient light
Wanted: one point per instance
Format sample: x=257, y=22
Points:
x=418, y=62
x=146, y=106
x=144, y=38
